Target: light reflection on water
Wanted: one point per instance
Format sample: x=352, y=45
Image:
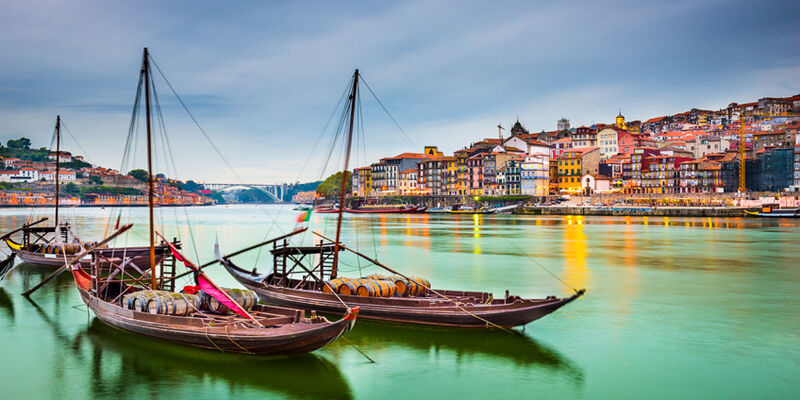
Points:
x=671, y=302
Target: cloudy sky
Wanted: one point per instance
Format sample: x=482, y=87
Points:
x=263, y=77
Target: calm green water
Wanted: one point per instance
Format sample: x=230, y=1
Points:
x=675, y=308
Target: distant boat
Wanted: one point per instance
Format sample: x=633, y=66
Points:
x=303, y=207
x=769, y=211
x=462, y=209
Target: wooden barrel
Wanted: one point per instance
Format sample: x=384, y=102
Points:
x=180, y=304
x=387, y=288
x=367, y=288
x=424, y=285
x=348, y=287
x=332, y=285
x=243, y=297
x=412, y=288
x=138, y=300
x=400, y=284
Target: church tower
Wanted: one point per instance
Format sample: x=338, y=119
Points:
x=621, y=121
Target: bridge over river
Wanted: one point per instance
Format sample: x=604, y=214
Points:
x=276, y=191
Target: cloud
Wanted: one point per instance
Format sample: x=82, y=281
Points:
x=262, y=79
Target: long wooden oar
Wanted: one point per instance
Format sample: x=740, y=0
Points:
x=75, y=259
x=24, y=226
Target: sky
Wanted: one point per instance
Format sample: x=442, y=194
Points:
x=263, y=78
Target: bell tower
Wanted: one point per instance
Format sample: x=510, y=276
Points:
x=621, y=121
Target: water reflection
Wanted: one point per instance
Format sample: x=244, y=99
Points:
x=122, y=360
x=6, y=304
x=521, y=350
x=575, y=269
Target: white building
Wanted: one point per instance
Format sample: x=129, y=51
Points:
x=535, y=174
x=28, y=175
x=64, y=156
x=64, y=176
x=607, y=141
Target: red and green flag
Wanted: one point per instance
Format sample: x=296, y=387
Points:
x=304, y=217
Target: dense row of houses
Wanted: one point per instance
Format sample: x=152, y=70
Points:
x=690, y=152
x=43, y=174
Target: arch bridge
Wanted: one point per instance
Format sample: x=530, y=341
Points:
x=276, y=192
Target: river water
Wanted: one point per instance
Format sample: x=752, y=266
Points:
x=675, y=307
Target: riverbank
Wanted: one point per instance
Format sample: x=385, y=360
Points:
x=623, y=211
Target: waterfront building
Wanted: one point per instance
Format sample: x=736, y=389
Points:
x=700, y=176
x=661, y=174
x=362, y=181
x=511, y=174
x=796, y=175
x=535, y=175
x=573, y=164
x=613, y=169
x=773, y=170
x=378, y=173
x=639, y=162
x=595, y=184
x=475, y=165
x=408, y=182
x=430, y=175
x=400, y=162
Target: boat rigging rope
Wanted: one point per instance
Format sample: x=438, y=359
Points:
x=523, y=252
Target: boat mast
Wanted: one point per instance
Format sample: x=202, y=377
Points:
x=343, y=185
x=146, y=72
x=58, y=162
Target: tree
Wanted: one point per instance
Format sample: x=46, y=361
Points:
x=139, y=174
x=71, y=188
x=331, y=185
x=79, y=175
x=191, y=186
x=96, y=180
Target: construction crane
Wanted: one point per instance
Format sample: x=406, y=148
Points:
x=742, y=149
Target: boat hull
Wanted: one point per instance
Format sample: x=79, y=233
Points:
x=421, y=311
x=139, y=255
x=288, y=339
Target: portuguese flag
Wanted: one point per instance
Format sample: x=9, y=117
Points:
x=304, y=217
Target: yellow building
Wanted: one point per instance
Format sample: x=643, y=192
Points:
x=621, y=121
x=362, y=182
x=573, y=164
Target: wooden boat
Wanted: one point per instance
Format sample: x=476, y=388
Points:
x=38, y=247
x=180, y=317
x=292, y=283
x=282, y=331
x=771, y=212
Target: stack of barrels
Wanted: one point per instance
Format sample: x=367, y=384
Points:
x=162, y=302
x=376, y=285
x=67, y=248
x=183, y=304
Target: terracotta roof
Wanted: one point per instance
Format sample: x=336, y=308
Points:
x=408, y=170
x=563, y=140
x=409, y=155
